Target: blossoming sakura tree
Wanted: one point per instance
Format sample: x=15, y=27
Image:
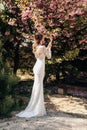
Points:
x=66, y=20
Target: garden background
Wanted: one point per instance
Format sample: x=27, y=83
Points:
x=66, y=21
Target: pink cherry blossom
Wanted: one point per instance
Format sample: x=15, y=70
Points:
x=72, y=26
x=11, y=23
x=72, y=13
x=18, y=38
x=68, y=35
x=7, y=33
x=78, y=11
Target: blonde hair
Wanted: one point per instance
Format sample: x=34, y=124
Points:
x=37, y=39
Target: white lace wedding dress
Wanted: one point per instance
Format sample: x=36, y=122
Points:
x=36, y=105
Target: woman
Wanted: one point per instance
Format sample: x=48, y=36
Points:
x=36, y=105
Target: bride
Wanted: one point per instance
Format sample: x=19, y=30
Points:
x=36, y=105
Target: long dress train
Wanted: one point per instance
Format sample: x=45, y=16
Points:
x=36, y=105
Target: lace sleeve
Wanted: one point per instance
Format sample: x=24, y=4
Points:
x=47, y=52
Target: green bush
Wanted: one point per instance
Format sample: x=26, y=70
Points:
x=7, y=104
x=7, y=81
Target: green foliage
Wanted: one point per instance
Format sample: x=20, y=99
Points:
x=7, y=81
x=7, y=104
x=71, y=55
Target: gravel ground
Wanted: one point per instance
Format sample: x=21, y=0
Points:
x=63, y=113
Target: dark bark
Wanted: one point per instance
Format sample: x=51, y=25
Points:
x=16, y=58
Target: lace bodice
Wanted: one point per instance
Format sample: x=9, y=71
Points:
x=43, y=52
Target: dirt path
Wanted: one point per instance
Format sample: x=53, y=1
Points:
x=63, y=113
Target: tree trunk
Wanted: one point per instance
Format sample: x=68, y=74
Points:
x=16, y=58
